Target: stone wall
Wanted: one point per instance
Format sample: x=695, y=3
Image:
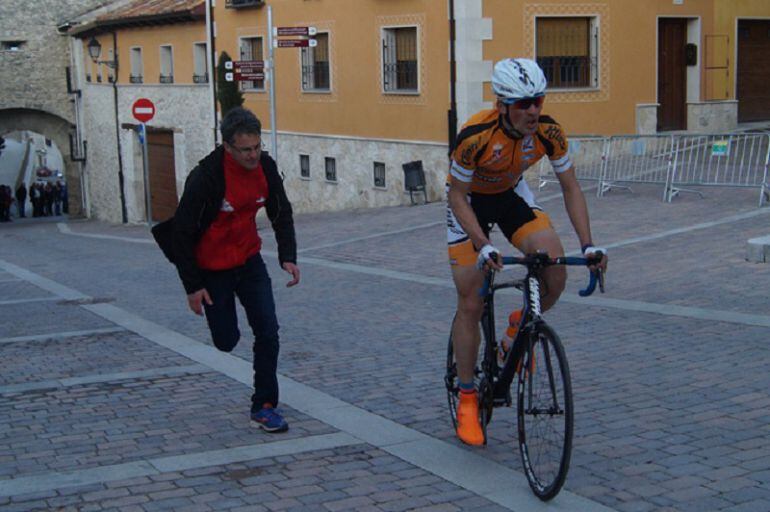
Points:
x=183, y=109
x=100, y=172
x=355, y=159
x=712, y=116
x=34, y=76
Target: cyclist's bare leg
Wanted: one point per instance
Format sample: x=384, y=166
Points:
x=555, y=276
x=465, y=330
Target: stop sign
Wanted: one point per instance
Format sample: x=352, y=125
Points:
x=143, y=110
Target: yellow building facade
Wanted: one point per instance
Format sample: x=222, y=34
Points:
x=391, y=82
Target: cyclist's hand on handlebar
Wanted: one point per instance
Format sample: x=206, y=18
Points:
x=592, y=252
x=489, y=258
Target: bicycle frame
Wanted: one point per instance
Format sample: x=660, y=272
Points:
x=502, y=378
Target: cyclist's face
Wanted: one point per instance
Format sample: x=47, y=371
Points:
x=523, y=120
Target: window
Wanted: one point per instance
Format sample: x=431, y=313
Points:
x=200, y=73
x=251, y=49
x=331, y=169
x=13, y=46
x=379, y=174
x=166, y=65
x=399, y=59
x=136, y=66
x=304, y=166
x=566, y=50
x=315, y=65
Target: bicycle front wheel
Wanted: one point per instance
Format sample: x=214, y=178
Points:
x=545, y=415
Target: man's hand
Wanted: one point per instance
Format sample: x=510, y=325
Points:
x=195, y=301
x=590, y=250
x=488, y=258
x=292, y=269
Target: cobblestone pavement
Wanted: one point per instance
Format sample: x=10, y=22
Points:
x=112, y=397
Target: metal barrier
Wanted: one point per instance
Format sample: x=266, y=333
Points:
x=637, y=159
x=732, y=160
x=674, y=161
x=588, y=153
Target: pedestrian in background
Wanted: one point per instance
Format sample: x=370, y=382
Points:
x=5, y=203
x=214, y=243
x=21, y=199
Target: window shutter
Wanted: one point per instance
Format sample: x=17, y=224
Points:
x=389, y=60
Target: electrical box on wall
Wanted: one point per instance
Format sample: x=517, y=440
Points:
x=691, y=54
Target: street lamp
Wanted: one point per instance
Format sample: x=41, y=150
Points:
x=94, y=50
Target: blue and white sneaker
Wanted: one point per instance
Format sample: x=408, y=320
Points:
x=269, y=419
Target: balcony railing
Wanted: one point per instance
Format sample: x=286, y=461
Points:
x=201, y=79
x=135, y=79
x=166, y=79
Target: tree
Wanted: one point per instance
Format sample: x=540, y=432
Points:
x=228, y=94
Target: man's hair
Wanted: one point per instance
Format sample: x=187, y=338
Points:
x=239, y=120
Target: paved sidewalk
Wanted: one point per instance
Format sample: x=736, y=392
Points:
x=114, y=399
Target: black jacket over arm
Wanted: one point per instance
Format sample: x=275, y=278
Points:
x=201, y=200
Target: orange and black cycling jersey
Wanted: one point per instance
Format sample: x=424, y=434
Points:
x=492, y=160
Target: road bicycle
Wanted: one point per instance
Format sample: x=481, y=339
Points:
x=544, y=390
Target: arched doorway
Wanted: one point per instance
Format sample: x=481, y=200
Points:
x=58, y=131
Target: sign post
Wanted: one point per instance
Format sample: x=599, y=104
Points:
x=271, y=70
x=144, y=110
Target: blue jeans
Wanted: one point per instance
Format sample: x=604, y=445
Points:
x=251, y=284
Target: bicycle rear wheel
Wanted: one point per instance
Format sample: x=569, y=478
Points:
x=545, y=414
x=452, y=383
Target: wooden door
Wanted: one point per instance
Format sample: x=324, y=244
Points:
x=672, y=74
x=160, y=153
x=753, y=73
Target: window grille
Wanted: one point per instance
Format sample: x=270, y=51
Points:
x=566, y=50
x=315, y=65
x=331, y=169
x=399, y=59
x=379, y=174
x=304, y=166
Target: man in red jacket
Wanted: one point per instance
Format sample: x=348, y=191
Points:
x=214, y=243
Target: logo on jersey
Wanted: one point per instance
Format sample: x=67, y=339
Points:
x=554, y=133
x=497, y=154
x=528, y=144
x=226, y=206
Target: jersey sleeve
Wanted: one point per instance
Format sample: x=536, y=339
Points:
x=464, y=160
x=555, y=141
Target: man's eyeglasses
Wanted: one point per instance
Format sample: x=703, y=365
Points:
x=525, y=103
x=248, y=149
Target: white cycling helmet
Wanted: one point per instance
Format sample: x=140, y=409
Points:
x=514, y=79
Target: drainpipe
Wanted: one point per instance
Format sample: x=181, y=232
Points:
x=210, y=40
x=121, y=179
x=452, y=113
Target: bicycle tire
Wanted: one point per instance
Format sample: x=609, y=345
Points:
x=545, y=412
x=451, y=382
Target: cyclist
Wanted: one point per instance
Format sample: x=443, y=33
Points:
x=485, y=187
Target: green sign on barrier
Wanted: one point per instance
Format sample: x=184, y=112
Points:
x=719, y=148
